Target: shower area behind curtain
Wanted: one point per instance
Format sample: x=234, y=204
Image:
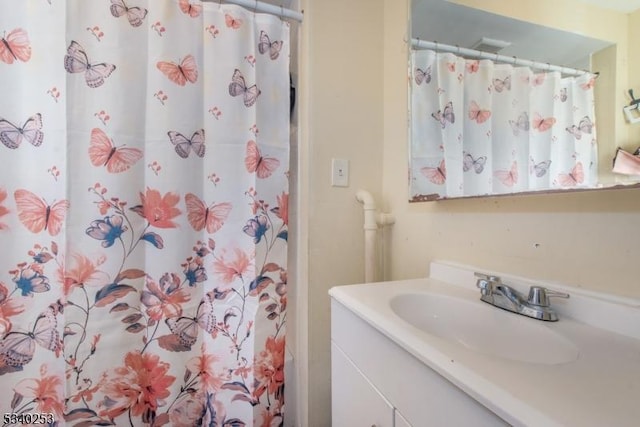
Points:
x=143, y=213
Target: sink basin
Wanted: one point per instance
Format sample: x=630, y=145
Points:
x=483, y=328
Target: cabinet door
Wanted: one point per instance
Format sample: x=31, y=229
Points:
x=400, y=421
x=355, y=401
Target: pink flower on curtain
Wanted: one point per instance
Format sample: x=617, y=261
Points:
x=269, y=418
x=46, y=393
x=8, y=308
x=80, y=271
x=205, y=366
x=229, y=269
x=164, y=299
x=104, y=207
x=269, y=368
x=157, y=209
x=282, y=210
x=141, y=386
x=3, y=210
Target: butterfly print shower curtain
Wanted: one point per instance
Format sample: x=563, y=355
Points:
x=143, y=213
x=478, y=128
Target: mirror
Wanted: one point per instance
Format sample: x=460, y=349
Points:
x=569, y=33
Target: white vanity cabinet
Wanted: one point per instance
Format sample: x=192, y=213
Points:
x=427, y=352
x=354, y=400
x=377, y=383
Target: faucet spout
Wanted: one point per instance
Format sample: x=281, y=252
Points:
x=498, y=294
x=509, y=294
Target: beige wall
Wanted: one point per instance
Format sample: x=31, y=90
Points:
x=353, y=87
x=342, y=84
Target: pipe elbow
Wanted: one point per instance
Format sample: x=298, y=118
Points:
x=366, y=199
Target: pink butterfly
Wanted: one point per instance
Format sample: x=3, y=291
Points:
x=135, y=14
x=35, y=214
x=180, y=74
x=477, y=114
x=500, y=85
x=538, y=79
x=193, y=10
x=588, y=85
x=238, y=87
x=451, y=66
x=520, y=124
x=76, y=61
x=542, y=124
x=201, y=216
x=266, y=45
x=573, y=178
x=585, y=126
x=446, y=116
x=469, y=162
x=17, y=348
x=472, y=66
x=102, y=152
x=538, y=169
x=15, y=45
x=255, y=162
x=435, y=175
x=12, y=135
x=184, y=145
x=508, y=177
x=423, y=75
x=232, y=22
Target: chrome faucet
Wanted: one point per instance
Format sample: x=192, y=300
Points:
x=494, y=292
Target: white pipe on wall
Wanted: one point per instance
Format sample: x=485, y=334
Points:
x=371, y=221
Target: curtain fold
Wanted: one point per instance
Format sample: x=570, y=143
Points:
x=143, y=213
x=480, y=128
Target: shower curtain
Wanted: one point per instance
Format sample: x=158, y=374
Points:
x=484, y=128
x=143, y=213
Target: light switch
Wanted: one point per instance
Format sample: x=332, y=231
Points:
x=339, y=172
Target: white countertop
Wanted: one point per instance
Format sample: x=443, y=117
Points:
x=600, y=388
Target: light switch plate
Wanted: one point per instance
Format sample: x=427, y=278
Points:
x=339, y=172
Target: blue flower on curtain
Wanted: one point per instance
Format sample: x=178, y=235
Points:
x=256, y=227
x=108, y=229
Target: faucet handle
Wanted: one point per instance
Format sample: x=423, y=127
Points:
x=486, y=282
x=539, y=295
x=488, y=277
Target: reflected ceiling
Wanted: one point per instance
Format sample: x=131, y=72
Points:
x=437, y=20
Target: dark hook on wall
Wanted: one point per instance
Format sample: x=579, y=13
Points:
x=634, y=101
x=292, y=95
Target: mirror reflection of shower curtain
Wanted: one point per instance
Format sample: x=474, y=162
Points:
x=478, y=128
x=143, y=212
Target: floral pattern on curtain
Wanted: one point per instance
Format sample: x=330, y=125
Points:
x=143, y=213
x=481, y=128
